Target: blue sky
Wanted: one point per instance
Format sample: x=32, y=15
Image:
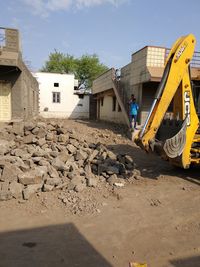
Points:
x=113, y=29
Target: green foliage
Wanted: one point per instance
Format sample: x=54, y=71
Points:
x=86, y=68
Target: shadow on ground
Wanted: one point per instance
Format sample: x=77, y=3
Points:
x=59, y=245
x=187, y=262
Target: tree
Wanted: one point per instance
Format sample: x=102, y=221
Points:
x=86, y=68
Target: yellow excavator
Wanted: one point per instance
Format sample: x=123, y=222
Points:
x=174, y=135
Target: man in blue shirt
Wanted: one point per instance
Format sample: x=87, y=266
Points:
x=133, y=111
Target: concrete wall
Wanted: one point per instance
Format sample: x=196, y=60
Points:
x=103, y=82
x=106, y=111
x=71, y=104
x=24, y=87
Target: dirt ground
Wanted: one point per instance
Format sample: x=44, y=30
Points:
x=155, y=219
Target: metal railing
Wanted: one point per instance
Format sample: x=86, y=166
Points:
x=195, y=62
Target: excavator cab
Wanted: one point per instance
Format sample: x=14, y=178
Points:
x=173, y=134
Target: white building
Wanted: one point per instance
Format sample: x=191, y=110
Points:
x=59, y=97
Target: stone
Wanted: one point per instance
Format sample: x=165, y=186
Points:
x=41, y=124
x=32, y=177
x=136, y=172
x=5, y=195
x=72, y=149
x=43, y=162
x=50, y=137
x=128, y=159
x=28, y=126
x=112, y=169
x=64, y=156
x=58, y=164
x=47, y=188
x=111, y=155
x=60, y=131
x=53, y=181
x=19, y=152
x=52, y=172
x=41, y=142
x=41, y=133
x=76, y=181
x=35, y=131
x=79, y=187
x=113, y=179
x=4, y=147
x=92, y=181
x=16, y=189
x=93, y=155
x=81, y=155
x=63, y=138
x=10, y=173
x=28, y=139
x=18, y=128
x=31, y=190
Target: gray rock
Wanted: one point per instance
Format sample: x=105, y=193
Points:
x=79, y=187
x=64, y=156
x=53, y=181
x=35, y=131
x=92, y=181
x=31, y=190
x=4, y=147
x=28, y=126
x=10, y=173
x=114, y=179
x=16, y=189
x=63, y=138
x=76, y=181
x=81, y=155
x=5, y=195
x=112, y=169
x=18, y=128
x=41, y=133
x=58, y=164
x=28, y=139
x=32, y=177
x=47, y=188
x=50, y=137
x=19, y=152
x=111, y=155
x=93, y=155
x=72, y=149
x=41, y=124
x=41, y=142
x=52, y=172
x=128, y=159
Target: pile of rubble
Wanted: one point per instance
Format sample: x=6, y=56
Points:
x=45, y=156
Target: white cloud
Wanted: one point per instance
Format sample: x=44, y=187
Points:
x=44, y=7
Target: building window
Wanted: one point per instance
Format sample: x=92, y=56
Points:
x=119, y=108
x=56, y=84
x=102, y=101
x=56, y=97
x=114, y=103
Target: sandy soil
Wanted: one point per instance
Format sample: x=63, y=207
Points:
x=155, y=219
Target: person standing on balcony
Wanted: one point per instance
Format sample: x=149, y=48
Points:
x=133, y=112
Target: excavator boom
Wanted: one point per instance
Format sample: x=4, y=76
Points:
x=173, y=138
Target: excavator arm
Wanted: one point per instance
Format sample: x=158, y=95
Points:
x=173, y=138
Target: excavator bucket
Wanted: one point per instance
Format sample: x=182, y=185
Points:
x=135, y=264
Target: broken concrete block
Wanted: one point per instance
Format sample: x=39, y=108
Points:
x=16, y=189
x=32, y=177
x=10, y=173
x=31, y=190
